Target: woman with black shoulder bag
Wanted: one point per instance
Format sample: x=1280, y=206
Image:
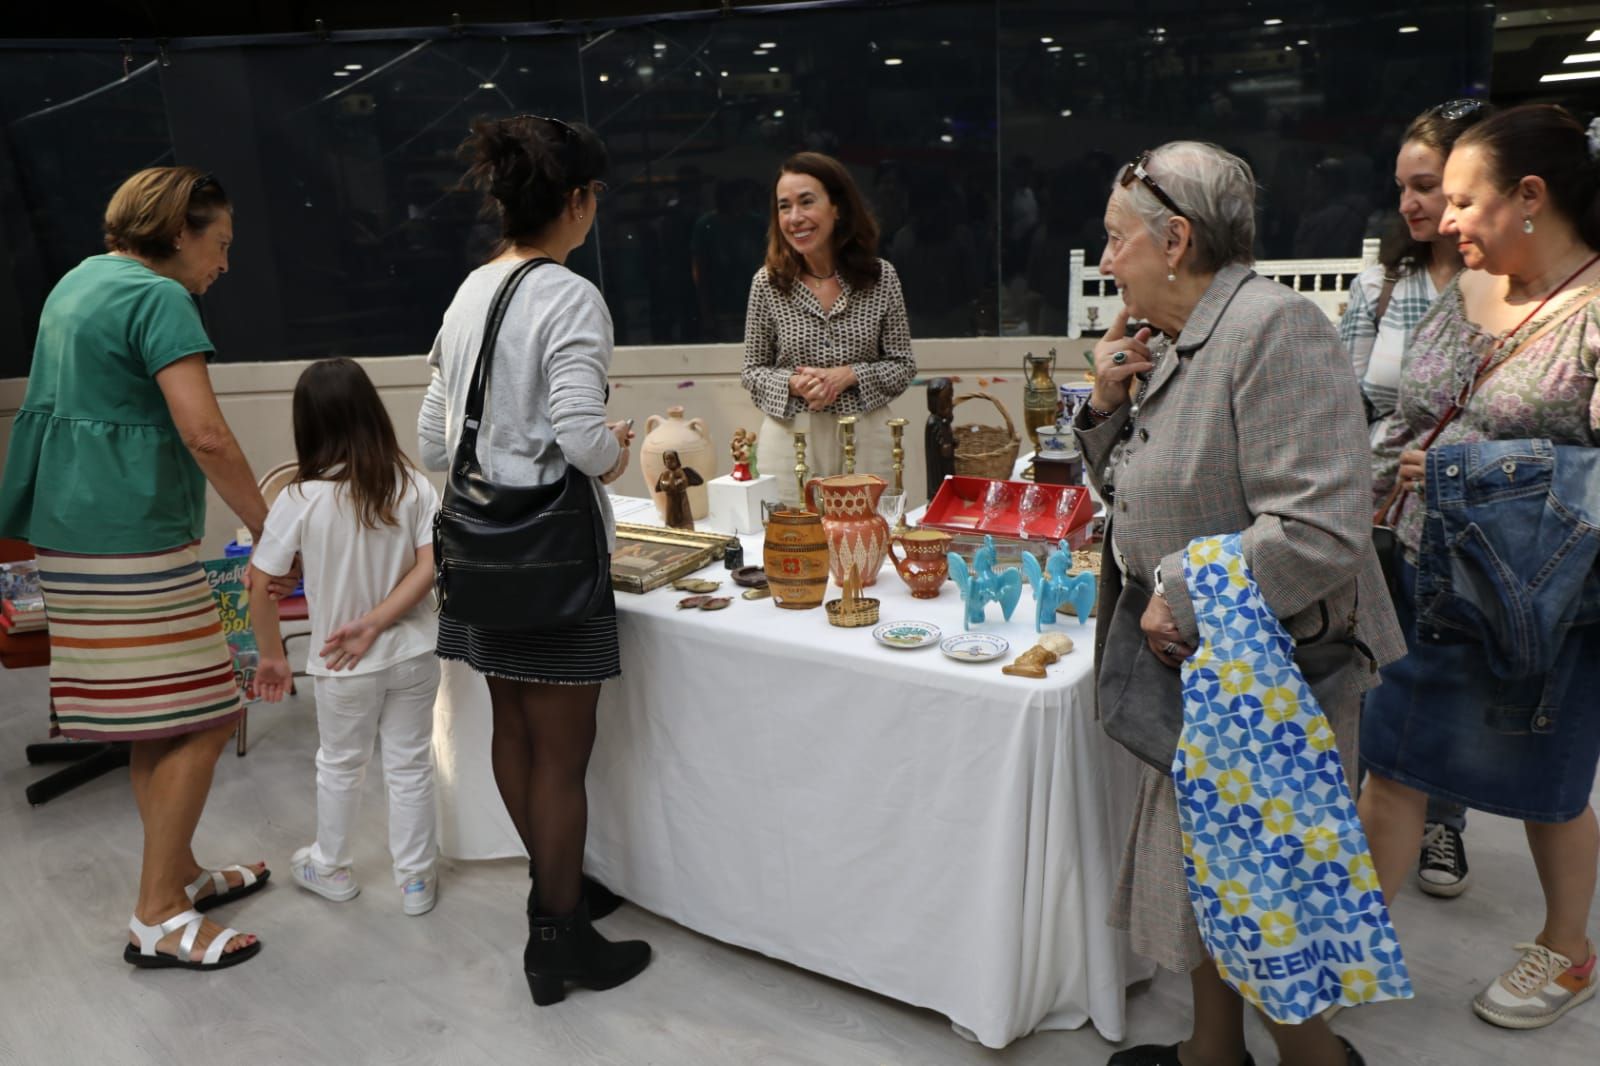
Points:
x=516, y=411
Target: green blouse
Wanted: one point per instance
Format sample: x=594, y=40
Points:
x=96, y=465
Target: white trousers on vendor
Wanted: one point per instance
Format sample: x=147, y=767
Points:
x=392, y=707
x=824, y=448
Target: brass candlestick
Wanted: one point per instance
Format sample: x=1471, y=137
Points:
x=847, y=425
x=897, y=429
x=800, y=471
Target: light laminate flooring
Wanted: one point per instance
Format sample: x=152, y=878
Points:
x=360, y=982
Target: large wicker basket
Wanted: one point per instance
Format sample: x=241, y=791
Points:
x=986, y=451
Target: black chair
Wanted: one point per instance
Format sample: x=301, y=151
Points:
x=87, y=759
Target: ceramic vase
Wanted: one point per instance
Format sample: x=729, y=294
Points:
x=858, y=537
x=692, y=441
x=795, y=558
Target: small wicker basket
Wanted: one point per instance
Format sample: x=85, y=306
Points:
x=986, y=451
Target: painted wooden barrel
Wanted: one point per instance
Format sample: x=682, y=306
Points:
x=795, y=558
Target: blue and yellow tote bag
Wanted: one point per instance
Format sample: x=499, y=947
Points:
x=1283, y=886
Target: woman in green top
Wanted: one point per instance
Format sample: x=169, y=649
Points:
x=105, y=477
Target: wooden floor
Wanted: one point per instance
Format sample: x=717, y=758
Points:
x=362, y=983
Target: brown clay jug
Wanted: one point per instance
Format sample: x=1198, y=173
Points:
x=858, y=536
x=795, y=558
x=926, y=562
x=691, y=439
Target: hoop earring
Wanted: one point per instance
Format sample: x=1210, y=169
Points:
x=1527, y=225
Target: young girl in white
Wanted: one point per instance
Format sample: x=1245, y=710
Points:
x=360, y=517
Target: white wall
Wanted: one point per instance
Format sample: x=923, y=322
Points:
x=255, y=399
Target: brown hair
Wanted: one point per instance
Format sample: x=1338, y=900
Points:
x=150, y=210
x=855, y=235
x=1438, y=128
x=1545, y=141
x=343, y=434
x=526, y=165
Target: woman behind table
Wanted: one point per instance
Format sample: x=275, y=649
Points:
x=1524, y=206
x=1387, y=301
x=1230, y=354
x=541, y=178
x=826, y=334
x=106, y=478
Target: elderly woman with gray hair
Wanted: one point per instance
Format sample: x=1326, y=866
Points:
x=1232, y=411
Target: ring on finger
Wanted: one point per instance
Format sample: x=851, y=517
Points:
x=1171, y=648
x=1119, y=358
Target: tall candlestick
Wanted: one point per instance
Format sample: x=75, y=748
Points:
x=848, y=425
x=897, y=429
x=800, y=471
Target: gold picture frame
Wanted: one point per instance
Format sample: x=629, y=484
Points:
x=648, y=557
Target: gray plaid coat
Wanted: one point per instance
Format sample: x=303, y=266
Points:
x=1252, y=422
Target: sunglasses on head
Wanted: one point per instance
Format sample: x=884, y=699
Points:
x=570, y=136
x=1457, y=109
x=1136, y=171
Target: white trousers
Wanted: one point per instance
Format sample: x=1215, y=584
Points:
x=824, y=448
x=393, y=708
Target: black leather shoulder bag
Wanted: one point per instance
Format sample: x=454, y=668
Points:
x=511, y=557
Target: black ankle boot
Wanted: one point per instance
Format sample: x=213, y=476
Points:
x=601, y=900
x=568, y=949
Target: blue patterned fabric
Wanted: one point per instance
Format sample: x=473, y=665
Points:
x=1282, y=884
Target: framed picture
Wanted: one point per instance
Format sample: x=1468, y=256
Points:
x=648, y=557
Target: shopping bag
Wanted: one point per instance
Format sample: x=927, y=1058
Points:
x=1282, y=883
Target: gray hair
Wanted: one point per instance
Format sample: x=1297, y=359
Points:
x=1217, y=193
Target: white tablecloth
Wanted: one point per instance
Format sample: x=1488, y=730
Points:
x=931, y=830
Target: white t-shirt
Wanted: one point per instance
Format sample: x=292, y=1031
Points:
x=350, y=569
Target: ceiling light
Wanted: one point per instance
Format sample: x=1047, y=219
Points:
x=1595, y=36
x=352, y=66
x=1053, y=48
x=946, y=44
x=1583, y=57
x=607, y=77
x=1302, y=42
x=486, y=85
x=759, y=52
x=772, y=70
x=1047, y=40
x=946, y=138
x=1576, y=75
x=1408, y=29
x=778, y=113
x=769, y=44
x=660, y=46
x=1161, y=29
x=892, y=62
x=1066, y=113
x=1273, y=22
x=341, y=74
x=724, y=73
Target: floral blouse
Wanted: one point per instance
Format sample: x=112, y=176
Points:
x=1546, y=390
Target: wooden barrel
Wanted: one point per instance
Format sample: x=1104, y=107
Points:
x=795, y=558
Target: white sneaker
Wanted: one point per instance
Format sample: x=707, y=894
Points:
x=419, y=894
x=1540, y=988
x=336, y=883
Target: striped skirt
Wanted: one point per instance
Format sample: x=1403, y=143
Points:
x=586, y=654
x=136, y=646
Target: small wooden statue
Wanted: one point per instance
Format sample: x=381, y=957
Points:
x=939, y=438
x=674, y=483
x=743, y=441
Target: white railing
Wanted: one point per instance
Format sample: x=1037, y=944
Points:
x=1323, y=281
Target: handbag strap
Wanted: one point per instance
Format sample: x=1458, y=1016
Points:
x=466, y=458
x=1385, y=294
x=1486, y=370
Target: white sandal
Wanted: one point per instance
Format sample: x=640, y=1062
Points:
x=220, y=891
x=145, y=955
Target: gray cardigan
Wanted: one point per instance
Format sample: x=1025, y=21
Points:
x=547, y=399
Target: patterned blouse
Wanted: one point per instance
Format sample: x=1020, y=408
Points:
x=865, y=329
x=1545, y=390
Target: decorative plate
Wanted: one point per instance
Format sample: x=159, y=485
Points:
x=906, y=634
x=974, y=647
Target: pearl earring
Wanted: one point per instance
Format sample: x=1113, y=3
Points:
x=1527, y=225
x=1172, y=277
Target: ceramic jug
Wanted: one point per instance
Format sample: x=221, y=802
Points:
x=925, y=564
x=795, y=558
x=692, y=441
x=858, y=536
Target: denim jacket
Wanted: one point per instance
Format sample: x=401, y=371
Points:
x=1510, y=540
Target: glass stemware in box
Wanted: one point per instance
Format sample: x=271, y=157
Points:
x=995, y=497
x=1033, y=505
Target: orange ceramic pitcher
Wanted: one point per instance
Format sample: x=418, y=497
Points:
x=926, y=562
x=858, y=536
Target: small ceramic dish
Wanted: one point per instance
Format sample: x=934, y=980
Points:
x=716, y=603
x=689, y=602
x=906, y=635
x=751, y=577
x=974, y=647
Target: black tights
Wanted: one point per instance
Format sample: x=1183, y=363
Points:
x=543, y=735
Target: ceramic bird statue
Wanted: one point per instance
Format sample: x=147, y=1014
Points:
x=1054, y=588
x=981, y=585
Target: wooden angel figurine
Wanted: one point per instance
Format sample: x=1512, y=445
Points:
x=743, y=441
x=674, y=483
x=939, y=438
